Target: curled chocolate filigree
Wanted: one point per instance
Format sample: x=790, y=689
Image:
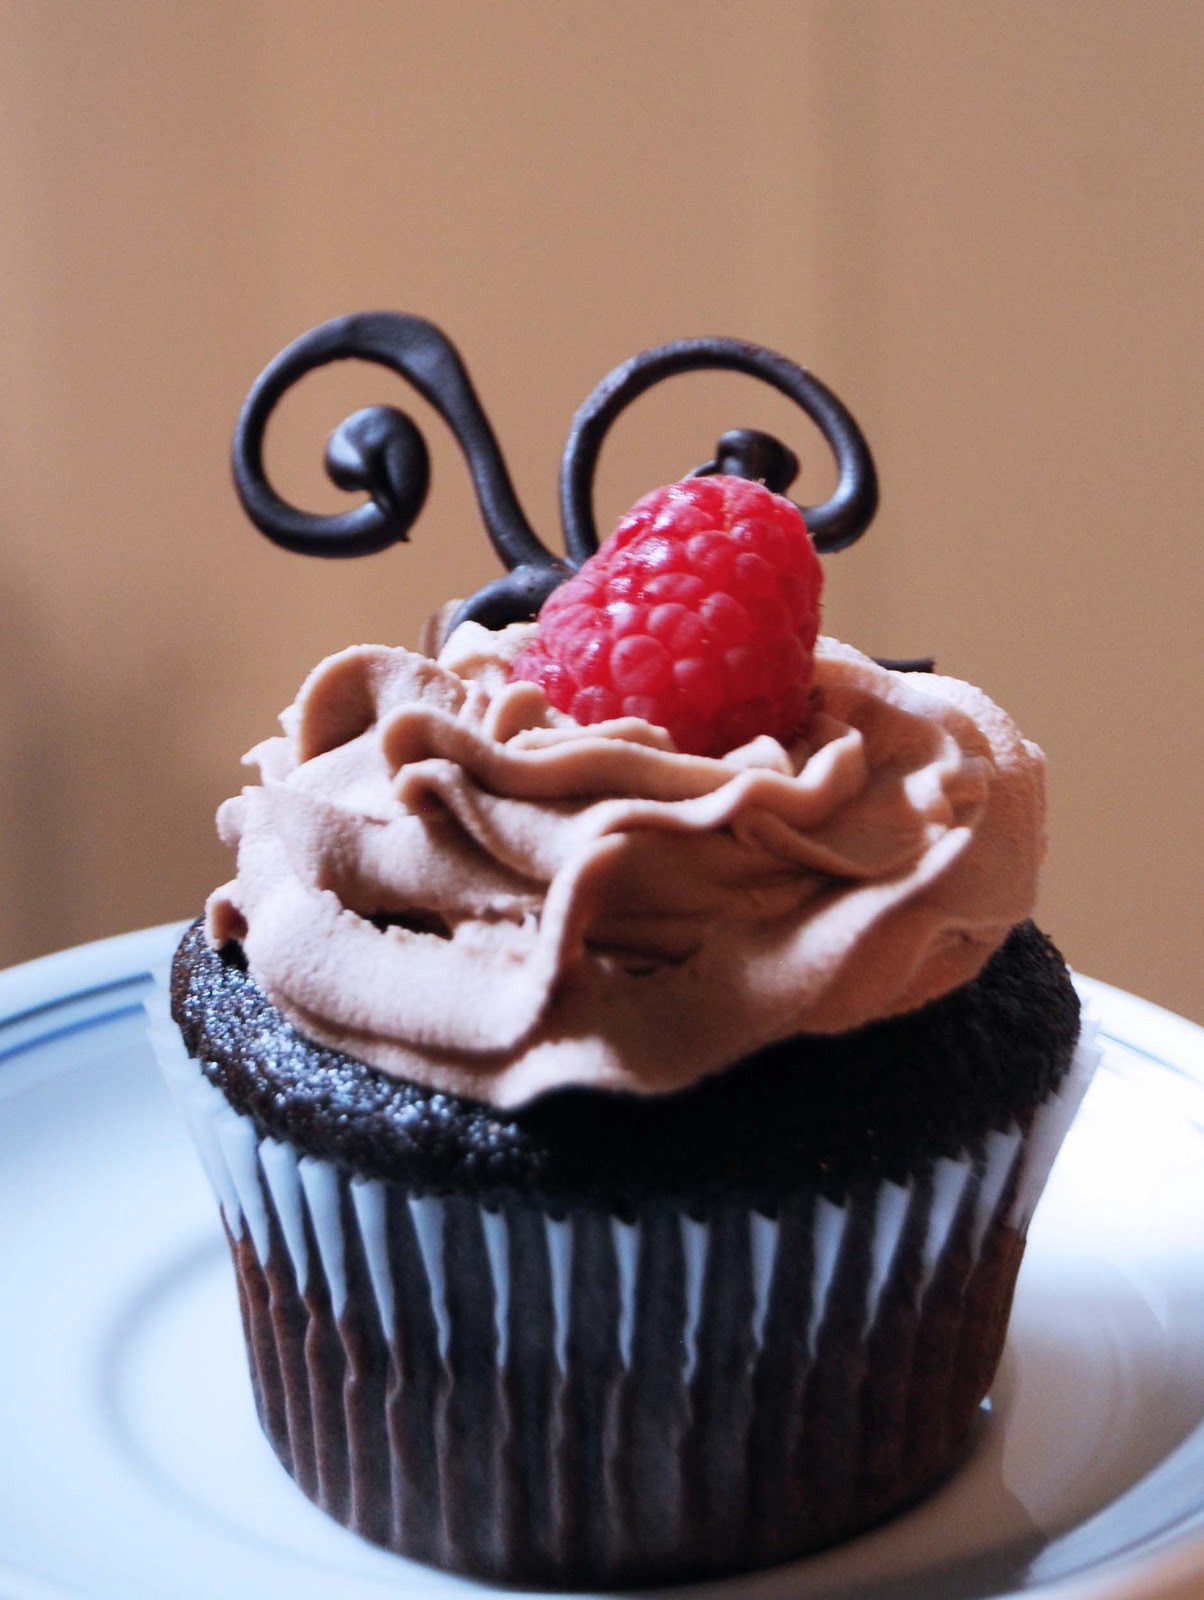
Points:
x=833, y=525
x=380, y=451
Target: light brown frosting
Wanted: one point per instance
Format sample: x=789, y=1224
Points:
x=586, y=905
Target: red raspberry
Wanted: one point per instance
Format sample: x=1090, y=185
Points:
x=699, y=614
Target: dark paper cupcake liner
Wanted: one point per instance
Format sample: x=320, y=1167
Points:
x=577, y=1398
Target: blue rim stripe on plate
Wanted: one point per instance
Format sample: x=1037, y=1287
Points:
x=1148, y=1055
x=49, y=980
x=86, y=1008
x=72, y=990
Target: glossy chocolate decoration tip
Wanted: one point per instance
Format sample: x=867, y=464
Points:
x=746, y=453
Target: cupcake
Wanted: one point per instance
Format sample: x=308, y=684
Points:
x=623, y=1057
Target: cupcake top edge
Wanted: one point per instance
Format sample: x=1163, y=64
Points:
x=442, y=875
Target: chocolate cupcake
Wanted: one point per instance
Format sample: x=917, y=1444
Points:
x=626, y=1105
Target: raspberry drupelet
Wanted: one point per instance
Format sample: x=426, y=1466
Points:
x=699, y=614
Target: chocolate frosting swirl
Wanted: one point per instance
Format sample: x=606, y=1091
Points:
x=443, y=877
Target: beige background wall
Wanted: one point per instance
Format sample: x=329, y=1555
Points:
x=980, y=223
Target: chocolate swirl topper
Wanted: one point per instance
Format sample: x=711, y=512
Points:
x=380, y=451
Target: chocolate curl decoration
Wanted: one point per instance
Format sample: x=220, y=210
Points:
x=381, y=452
x=832, y=526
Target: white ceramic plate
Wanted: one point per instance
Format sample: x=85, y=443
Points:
x=131, y=1464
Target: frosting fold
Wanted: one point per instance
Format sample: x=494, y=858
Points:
x=442, y=876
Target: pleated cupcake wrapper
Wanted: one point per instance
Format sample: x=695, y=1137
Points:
x=573, y=1396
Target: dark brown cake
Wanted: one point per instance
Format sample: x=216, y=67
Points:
x=826, y=1112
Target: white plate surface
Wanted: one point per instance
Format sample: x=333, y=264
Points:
x=131, y=1464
